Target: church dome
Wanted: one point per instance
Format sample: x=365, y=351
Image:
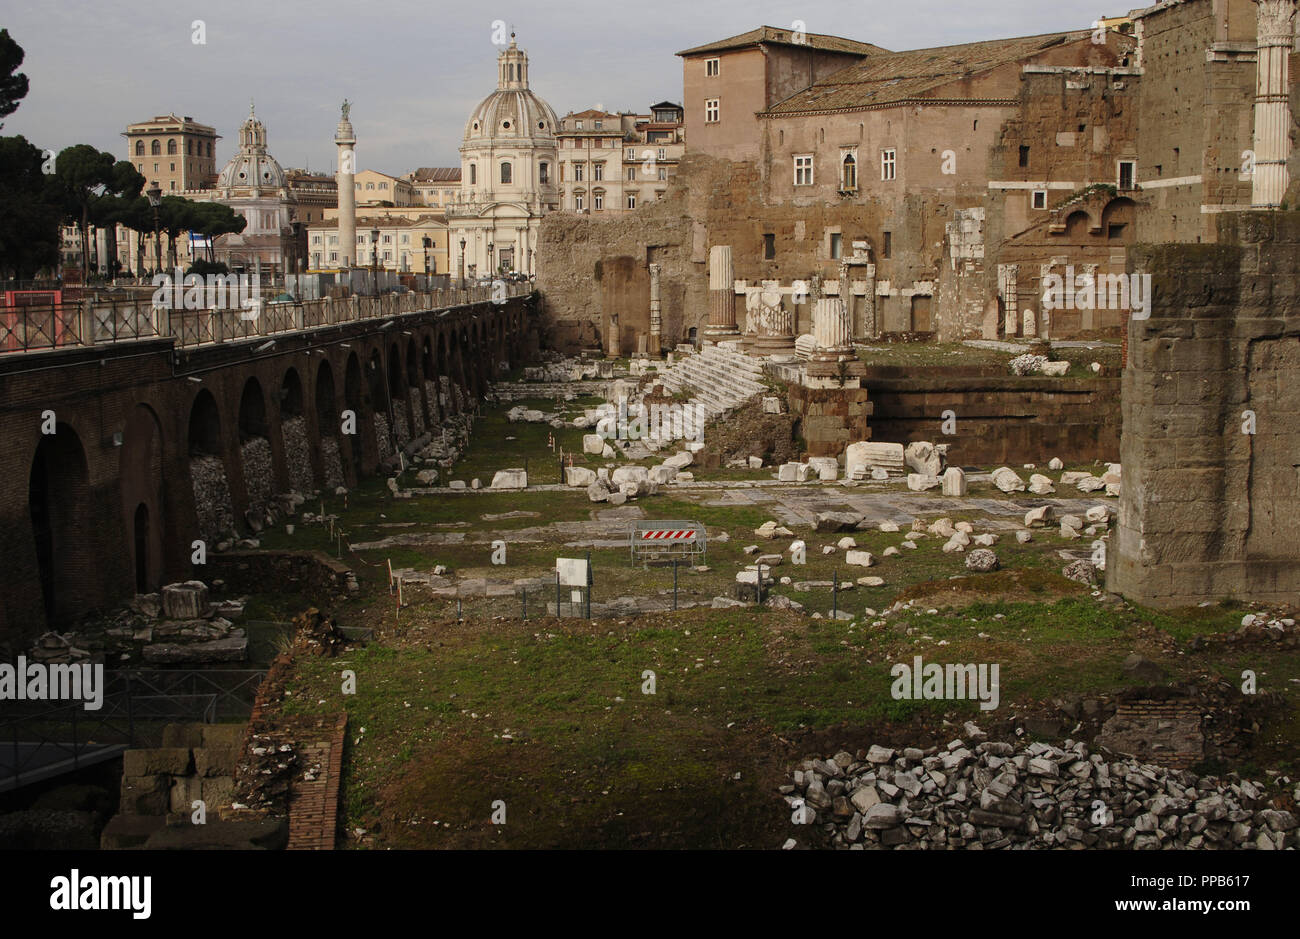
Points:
x=512, y=111
x=252, y=167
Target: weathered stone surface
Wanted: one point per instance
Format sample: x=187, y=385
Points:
x=872, y=455
x=198, y=653
x=593, y=444
x=924, y=458
x=919, y=483
x=981, y=561
x=826, y=468
x=188, y=600
x=837, y=521
x=510, y=479
x=1007, y=480
x=954, y=481
x=578, y=476
x=859, y=559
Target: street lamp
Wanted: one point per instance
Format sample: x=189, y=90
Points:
x=427, y=244
x=462, y=263
x=491, y=265
x=154, y=192
x=374, y=259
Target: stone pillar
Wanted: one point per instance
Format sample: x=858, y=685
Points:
x=831, y=328
x=656, y=315
x=614, y=340
x=345, y=140
x=1275, y=20
x=722, y=295
x=1031, y=327
x=1011, y=297
x=871, y=328
x=773, y=323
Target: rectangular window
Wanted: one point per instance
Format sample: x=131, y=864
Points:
x=837, y=245
x=1127, y=174
x=663, y=173
x=711, y=111
x=1040, y=198
x=769, y=246
x=662, y=154
x=631, y=200
x=598, y=171
x=1024, y=157
x=577, y=172
x=803, y=170
x=888, y=164
x=631, y=174
x=887, y=251
x=712, y=67
x=598, y=201
x=630, y=153
x=578, y=203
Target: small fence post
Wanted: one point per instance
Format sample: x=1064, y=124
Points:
x=674, y=583
x=835, y=596
x=524, y=594
x=557, y=594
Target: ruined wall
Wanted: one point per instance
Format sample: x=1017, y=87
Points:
x=1000, y=418
x=1209, y=509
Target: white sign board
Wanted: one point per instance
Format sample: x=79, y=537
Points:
x=572, y=571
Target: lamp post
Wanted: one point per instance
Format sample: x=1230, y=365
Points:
x=491, y=259
x=427, y=244
x=154, y=192
x=374, y=259
x=462, y=263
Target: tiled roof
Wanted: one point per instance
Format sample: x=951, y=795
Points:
x=437, y=174
x=900, y=76
x=769, y=34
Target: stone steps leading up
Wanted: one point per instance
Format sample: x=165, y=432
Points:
x=721, y=378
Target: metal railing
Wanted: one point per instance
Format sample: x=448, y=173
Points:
x=129, y=319
x=42, y=739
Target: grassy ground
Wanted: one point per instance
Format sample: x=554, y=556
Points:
x=551, y=718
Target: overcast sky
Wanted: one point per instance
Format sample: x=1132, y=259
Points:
x=414, y=69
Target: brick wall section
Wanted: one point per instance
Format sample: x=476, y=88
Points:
x=314, y=805
x=143, y=391
x=1208, y=511
x=1164, y=732
x=317, y=574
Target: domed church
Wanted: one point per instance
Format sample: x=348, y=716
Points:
x=508, y=175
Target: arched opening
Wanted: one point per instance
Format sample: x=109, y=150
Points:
x=1117, y=219
x=293, y=431
x=415, y=389
x=58, y=496
x=352, y=399
x=397, y=395
x=446, y=396
x=1077, y=225
x=329, y=424
x=255, y=447
x=141, y=470
x=378, y=389
x=212, y=503
x=140, y=539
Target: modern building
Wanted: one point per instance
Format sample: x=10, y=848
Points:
x=401, y=245
x=508, y=175
x=612, y=163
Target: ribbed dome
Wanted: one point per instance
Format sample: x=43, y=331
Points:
x=512, y=110
x=252, y=167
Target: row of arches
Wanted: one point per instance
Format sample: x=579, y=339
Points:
x=245, y=433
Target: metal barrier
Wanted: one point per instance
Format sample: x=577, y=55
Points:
x=667, y=540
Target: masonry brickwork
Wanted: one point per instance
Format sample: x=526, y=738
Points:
x=1210, y=445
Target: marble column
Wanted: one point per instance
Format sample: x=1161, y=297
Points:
x=345, y=140
x=1011, y=297
x=1275, y=19
x=656, y=314
x=831, y=328
x=722, y=295
x=773, y=323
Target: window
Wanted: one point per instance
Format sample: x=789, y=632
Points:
x=578, y=125
x=315, y=239
x=803, y=170
x=544, y=173
x=334, y=255
x=888, y=164
x=631, y=200
x=383, y=185
x=712, y=67
x=209, y=148
x=370, y=185
x=1040, y=198
x=473, y=174
x=631, y=174
x=598, y=201
x=139, y=148
x=769, y=246
x=388, y=239
x=837, y=245
x=189, y=147
x=598, y=171
x=848, y=173
x=577, y=172
x=600, y=125
x=1024, y=157
x=155, y=148
x=1115, y=231
x=887, y=251
x=662, y=154
x=1127, y=174
x=334, y=239
x=629, y=153
x=173, y=167
x=578, y=203
x=171, y=147
x=711, y=110
x=663, y=173
x=506, y=172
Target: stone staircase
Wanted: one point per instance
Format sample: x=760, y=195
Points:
x=722, y=378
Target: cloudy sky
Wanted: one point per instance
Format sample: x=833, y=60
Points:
x=414, y=69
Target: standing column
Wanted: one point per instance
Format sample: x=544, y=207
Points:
x=870, y=326
x=346, y=140
x=722, y=295
x=1272, y=103
x=1011, y=298
x=831, y=328
x=656, y=318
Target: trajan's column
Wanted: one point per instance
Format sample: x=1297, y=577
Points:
x=345, y=140
x=1272, y=102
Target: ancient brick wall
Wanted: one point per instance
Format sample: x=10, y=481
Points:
x=1208, y=508
x=1000, y=419
x=109, y=502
